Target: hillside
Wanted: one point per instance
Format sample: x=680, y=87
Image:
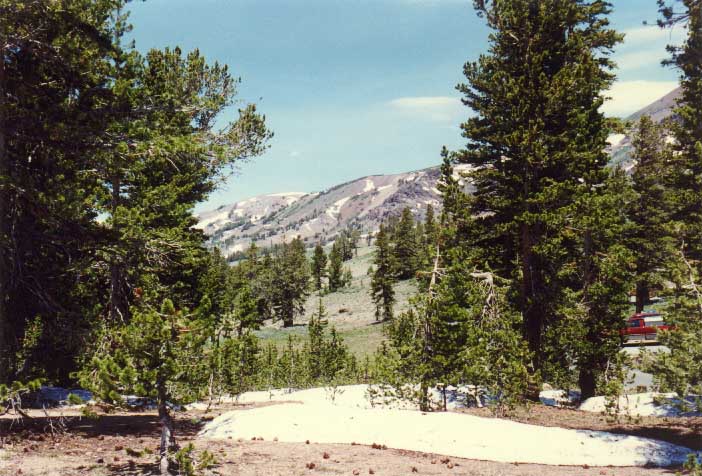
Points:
x=621, y=147
x=362, y=203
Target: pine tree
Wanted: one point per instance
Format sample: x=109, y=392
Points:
x=347, y=242
x=429, y=227
x=680, y=370
x=354, y=238
x=149, y=357
x=598, y=279
x=536, y=142
x=315, y=350
x=319, y=266
x=651, y=240
x=290, y=281
x=335, y=268
x=347, y=277
x=405, y=247
x=383, y=278
x=54, y=78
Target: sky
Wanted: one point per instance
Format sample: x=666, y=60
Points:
x=360, y=87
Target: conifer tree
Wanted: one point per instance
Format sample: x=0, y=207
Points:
x=687, y=130
x=290, y=281
x=680, y=370
x=651, y=240
x=354, y=238
x=347, y=277
x=315, y=333
x=335, y=268
x=537, y=140
x=54, y=79
x=347, y=241
x=319, y=266
x=429, y=226
x=405, y=247
x=595, y=299
x=149, y=357
x=383, y=278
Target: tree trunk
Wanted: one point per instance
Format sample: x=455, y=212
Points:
x=586, y=381
x=642, y=295
x=532, y=312
x=168, y=442
x=424, y=397
x=4, y=245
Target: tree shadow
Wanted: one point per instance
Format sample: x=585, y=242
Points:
x=669, y=459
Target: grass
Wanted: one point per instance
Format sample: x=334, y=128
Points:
x=362, y=341
x=350, y=310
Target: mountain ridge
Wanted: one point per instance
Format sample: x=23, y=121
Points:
x=361, y=203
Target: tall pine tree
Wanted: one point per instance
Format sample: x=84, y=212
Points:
x=319, y=266
x=383, y=278
x=650, y=213
x=537, y=140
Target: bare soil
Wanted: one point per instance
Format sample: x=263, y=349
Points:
x=125, y=443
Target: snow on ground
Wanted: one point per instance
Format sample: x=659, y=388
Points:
x=212, y=219
x=368, y=186
x=335, y=209
x=557, y=398
x=642, y=404
x=295, y=195
x=349, y=417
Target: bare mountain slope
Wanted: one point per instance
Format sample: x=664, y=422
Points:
x=362, y=203
x=621, y=147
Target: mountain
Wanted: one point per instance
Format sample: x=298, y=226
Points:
x=660, y=109
x=620, y=147
x=363, y=203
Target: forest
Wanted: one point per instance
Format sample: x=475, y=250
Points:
x=108, y=285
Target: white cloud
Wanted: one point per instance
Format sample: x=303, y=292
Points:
x=294, y=153
x=628, y=97
x=640, y=59
x=644, y=46
x=435, y=108
x=649, y=33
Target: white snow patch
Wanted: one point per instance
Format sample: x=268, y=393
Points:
x=237, y=248
x=287, y=194
x=313, y=415
x=205, y=222
x=369, y=186
x=384, y=187
x=335, y=209
x=558, y=398
x=641, y=404
x=615, y=139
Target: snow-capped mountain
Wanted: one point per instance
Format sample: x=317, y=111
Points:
x=620, y=144
x=363, y=203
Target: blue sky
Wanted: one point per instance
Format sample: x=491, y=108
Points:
x=359, y=87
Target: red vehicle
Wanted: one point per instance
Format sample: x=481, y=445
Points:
x=643, y=328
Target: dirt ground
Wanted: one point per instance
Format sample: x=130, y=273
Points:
x=125, y=443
